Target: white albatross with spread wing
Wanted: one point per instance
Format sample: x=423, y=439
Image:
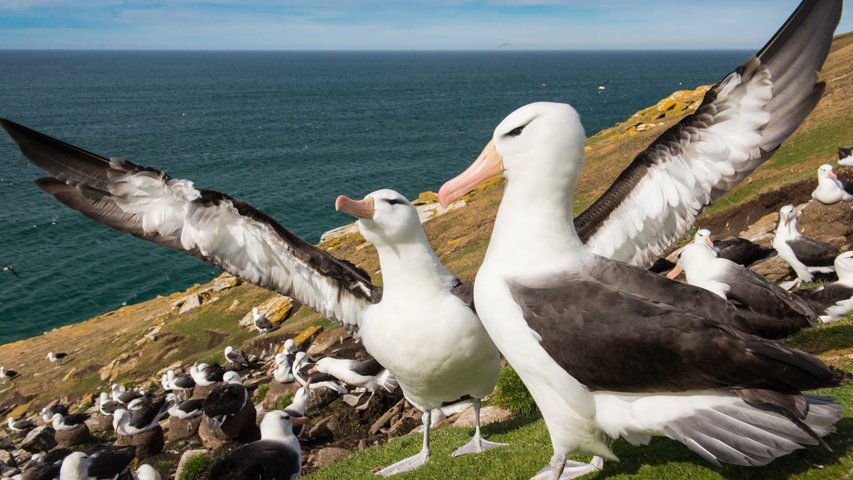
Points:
x=570, y=321
x=419, y=326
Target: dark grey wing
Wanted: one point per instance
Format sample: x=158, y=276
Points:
x=368, y=367
x=147, y=415
x=595, y=331
x=742, y=251
x=813, y=253
x=825, y=296
x=184, y=381
x=844, y=152
x=221, y=230
x=226, y=399
x=257, y=460
x=110, y=462
x=777, y=312
x=742, y=121
x=191, y=405
x=847, y=186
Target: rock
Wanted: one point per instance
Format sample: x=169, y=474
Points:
x=182, y=429
x=75, y=436
x=488, y=415
x=387, y=418
x=70, y=374
x=276, y=392
x=192, y=301
x=409, y=421
x=39, y=439
x=7, y=458
x=147, y=443
x=320, y=398
x=762, y=231
x=425, y=198
x=774, y=268
x=277, y=309
x=203, y=391
x=100, y=423
x=241, y=427
x=187, y=456
x=224, y=282
x=21, y=456
x=323, y=430
x=329, y=455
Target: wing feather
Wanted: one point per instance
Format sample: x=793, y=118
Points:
x=221, y=230
x=739, y=125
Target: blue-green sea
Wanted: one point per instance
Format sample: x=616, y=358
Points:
x=284, y=131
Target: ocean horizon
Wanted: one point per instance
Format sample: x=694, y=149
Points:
x=286, y=131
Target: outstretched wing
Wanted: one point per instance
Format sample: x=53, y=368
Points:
x=219, y=229
x=739, y=125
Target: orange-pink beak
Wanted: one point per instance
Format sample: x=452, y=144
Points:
x=709, y=242
x=675, y=272
x=832, y=175
x=487, y=165
x=297, y=421
x=356, y=208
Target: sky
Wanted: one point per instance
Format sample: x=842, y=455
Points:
x=392, y=25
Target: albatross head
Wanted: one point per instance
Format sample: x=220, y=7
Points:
x=703, y=237
x=75, y=465
x=541, y=142
x=278, y=425
x=788, y=218
x=825, y=171
x=384, y=217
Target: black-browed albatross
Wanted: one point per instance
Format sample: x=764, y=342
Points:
x=831, y=189
x=833, y=300
x=601, y=347
x=420, y=299
x=805, y=255
x=772, y=311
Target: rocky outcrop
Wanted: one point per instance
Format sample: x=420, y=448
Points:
x=73, y=437
x=147, y=443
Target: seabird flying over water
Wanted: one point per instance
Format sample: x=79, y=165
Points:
x=831, y=189
x=805, y=255
x=601, y=88
x=10, y=269
x=772, y=312
x=276, y=456
x=834, y=300
x=845, y=156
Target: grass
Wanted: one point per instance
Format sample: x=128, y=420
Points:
x=511, y=394
x=195, y=467
x=284, y=401
x=262, y=392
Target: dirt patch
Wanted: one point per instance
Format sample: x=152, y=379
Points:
x=216, y=338
x=735, y=220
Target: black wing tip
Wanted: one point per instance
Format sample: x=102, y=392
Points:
x=802, y=12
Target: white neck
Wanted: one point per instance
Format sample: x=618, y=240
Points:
x=788, y=231
x=534, y=228
x=412, y=265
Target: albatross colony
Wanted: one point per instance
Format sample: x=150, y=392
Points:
x=605, y=348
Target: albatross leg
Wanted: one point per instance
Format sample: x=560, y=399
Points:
x=478, y=443
x=561, y=469
x=414, y=461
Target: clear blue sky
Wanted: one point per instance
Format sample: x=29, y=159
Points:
x=391, y=25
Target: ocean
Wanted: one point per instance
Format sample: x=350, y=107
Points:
x=285, y=131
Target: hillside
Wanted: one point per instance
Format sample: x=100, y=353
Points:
x=459, y=238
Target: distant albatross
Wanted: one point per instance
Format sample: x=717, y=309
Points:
x=805, y=255
x=569, y=321
x=831, y=189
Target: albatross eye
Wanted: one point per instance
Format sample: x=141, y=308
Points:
x=394, y=201
x=516, y=131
